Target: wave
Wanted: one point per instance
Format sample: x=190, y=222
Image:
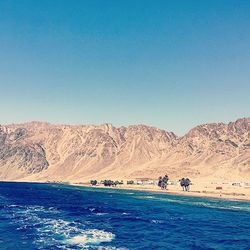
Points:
x=91, y=237
x=101, y=214
x=142, y=197
x=157, y=221
x=31, y=209
x=229, y=207
x=206, y=204
x=124, y=213
x=12, y=205
x=71, y=233
x=56, y=232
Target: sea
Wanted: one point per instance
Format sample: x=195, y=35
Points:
x=56, y=216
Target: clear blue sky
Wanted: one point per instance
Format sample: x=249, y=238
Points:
x=171, y=64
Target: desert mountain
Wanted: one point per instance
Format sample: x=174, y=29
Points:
x=42, y=151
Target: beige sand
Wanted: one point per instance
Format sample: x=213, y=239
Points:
x=201, y=189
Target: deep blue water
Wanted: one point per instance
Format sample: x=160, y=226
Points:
x=46, y=216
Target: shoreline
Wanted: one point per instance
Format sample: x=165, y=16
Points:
x=195, y=191
x=192, y=193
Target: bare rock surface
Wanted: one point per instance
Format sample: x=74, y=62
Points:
x=42, y=151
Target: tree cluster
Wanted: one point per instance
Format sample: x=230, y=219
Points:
x=109, y=183
x=163, y=182
x=185, y=183
x=93, y=182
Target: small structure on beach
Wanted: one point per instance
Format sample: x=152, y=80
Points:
x=145, y=181
x=131, y=182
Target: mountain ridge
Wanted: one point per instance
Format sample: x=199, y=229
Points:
x=42, y=151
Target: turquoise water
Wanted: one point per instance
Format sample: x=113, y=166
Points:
x=46, y=216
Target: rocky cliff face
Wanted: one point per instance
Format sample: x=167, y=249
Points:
x=41, y=151
x=219, y=150
x=19, y=157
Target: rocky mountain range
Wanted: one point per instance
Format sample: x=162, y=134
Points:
x=39, y=151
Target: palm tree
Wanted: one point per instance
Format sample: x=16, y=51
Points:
x=163, y=182
x=93, y=182
x=187, y=183
x=182, y=183
x=159, y=181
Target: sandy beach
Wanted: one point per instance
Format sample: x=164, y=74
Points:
x=203, y=189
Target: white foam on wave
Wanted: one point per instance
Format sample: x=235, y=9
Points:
x=206, y=204
x=70, y=233
x=61, y=232
x=241, y=208
x=146, y=197
x=157, y=221
x=52, y=231
x=19, y=209
x=232, y=208
x=57, y=232
x=11, y=206
x=91, y=237
x=101, y=214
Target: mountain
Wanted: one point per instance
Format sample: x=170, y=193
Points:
x=40, y=151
